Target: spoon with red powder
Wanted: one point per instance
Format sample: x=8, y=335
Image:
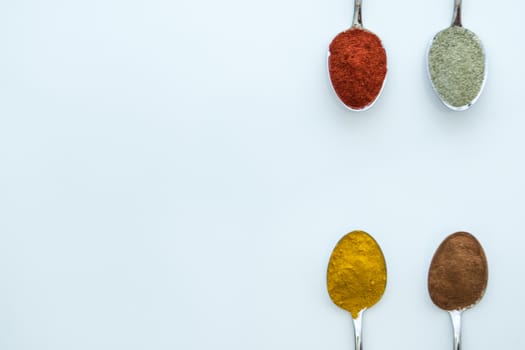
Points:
x=357, y=65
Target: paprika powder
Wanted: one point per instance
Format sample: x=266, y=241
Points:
x=357, y=65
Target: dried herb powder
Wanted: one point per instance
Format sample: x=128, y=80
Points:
x=357, y=66
x=356, y=276
x=456, y=64
x=458, y=273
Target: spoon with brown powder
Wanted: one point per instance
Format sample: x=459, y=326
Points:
x=458, y=277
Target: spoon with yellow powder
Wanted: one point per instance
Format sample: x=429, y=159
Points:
x=457, y=64
x=356, y=276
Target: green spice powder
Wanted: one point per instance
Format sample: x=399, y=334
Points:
x=456, y=63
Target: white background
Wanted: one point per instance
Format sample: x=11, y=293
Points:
x=175, y=174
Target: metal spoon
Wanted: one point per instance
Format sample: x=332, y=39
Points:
x=456, y=64
x=458, y=277
x=357, y=81
x=356, y=277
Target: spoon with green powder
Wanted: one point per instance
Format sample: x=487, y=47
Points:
x=356, y=276
x=457, y=277
x=457, y=64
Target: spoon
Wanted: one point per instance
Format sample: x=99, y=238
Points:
x=356, y=277
x=456, y=64
x=458, y=277
x=357, y=65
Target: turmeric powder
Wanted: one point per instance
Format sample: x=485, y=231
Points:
x=356, y=276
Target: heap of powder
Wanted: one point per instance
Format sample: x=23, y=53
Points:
x=458, y=274
x=358, y=67
x=356, y=277
x=456, y=63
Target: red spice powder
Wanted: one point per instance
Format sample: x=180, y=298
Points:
x=357, y=66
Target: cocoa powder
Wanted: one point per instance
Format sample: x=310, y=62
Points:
x=458, y=273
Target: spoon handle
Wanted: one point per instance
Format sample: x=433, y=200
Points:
x=358, y=18
x=358, y=331
x=456, y=18
x=455, y=316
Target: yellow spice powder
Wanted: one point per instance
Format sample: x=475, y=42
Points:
x=356, y=275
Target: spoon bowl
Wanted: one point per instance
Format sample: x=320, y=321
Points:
x=457, y=277
x=456, y=63
x=357, y=65
x=356, y=276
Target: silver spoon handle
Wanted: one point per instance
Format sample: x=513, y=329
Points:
x=455, y=316
x=358, y=18
x=358, y=331
x=456, y=18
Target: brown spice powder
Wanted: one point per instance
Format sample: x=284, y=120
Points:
x=458, y=274
x=357, y=66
